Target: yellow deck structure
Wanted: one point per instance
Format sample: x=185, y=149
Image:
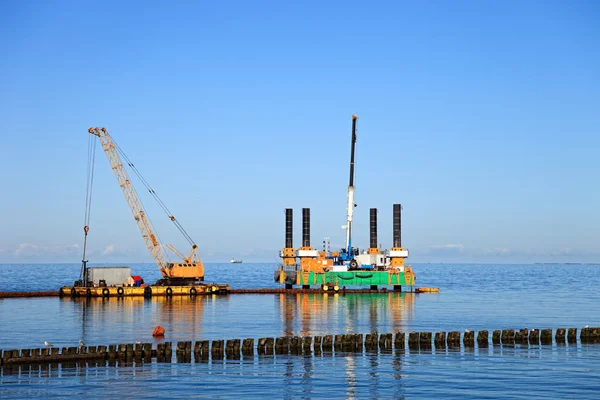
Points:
x=148, y=291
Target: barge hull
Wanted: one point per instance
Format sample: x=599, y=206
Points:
x=148, y=291
x=346, y=278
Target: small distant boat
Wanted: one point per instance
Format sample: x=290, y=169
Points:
x=234, y=261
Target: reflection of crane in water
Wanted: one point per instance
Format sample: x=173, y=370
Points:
x=186, y=314
x=182, y=312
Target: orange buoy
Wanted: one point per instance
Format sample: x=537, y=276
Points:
x=159, y=331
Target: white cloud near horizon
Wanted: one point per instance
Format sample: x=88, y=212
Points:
x=109, y=249
x=27, y=250
x=451, y=248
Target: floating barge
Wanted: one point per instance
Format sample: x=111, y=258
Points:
x=147, y=291
x=329, y=270
x=333, y=270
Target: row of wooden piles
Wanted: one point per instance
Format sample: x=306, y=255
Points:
x=307, y=345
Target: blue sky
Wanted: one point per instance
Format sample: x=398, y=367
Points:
x=480, y=117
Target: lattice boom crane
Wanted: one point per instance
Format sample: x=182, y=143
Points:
x=191, y=268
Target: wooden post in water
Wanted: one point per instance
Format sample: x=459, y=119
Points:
x=168, y=352
x=382, y=341
x=281, y=345
x=413, y=340
x=338, y=342
x=237, y=343
x=216, y=350
x=469, y=338
x=146, y=352
x=348, y=342
x=496, y=336
x=122, y=352
x=261, y=346
x=307, y=344
x=183, y=352
x=138, y=352
x=522, y=336
x=197, y=350
x=453, y=339
x=248, y=347
x=112, y=351
x=590, y=335
x=508, y=336
x=296, y=345
x=204, y=349
x=188, y=350
x=368, y=341
x=399, y=340
x=327, y=343
x=572, y=335
x=546, y=336
x=389, y=341
x=534, y=337
x=317, y=346
x=358, y=343
x=584, y=336
x=128, y=349
x=440, y=340
x=561, y=334
x=230, y=348
x=269, y=346
x=101, y=350
x=160, y=352
x=482, y=338
x=8, y=354
x=180, y=351
x=425, y=340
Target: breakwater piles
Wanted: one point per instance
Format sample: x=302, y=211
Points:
x=185, y=351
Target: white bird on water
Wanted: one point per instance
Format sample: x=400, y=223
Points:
x=467, y=331
x=48, y=344
x=81, y=343
x=138, y=342
x=586, y=326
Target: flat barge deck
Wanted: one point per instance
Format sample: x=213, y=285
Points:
x=136, y=292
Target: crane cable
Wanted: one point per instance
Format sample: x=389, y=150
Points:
x=154, y=195
x=88, y=200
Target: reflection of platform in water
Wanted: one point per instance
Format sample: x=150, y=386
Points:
x=302, y=313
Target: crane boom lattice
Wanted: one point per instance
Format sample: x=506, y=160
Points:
x=132, y=198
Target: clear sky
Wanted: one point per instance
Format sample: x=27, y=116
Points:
x=480, y=117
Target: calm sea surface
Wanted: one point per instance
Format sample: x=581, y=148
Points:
x=471, y=297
